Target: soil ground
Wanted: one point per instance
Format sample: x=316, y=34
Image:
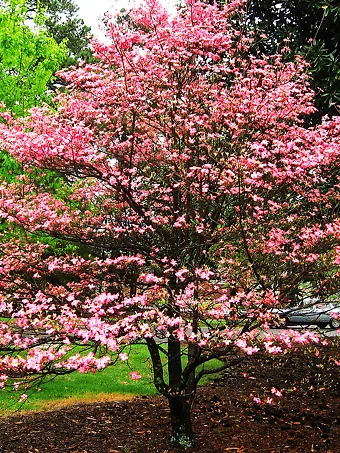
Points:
x=225, y=417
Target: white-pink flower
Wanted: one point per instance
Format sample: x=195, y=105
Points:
x=135, y=376
x=276, y=392
x=23, y=398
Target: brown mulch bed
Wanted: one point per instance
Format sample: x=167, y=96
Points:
x=225, y=417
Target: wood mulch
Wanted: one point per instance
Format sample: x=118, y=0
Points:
x=226, y=418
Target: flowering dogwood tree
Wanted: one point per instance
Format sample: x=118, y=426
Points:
x=193, y=202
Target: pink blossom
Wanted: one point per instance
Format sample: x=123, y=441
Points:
x=276, y=391
x=23, y=398
x=181, y=274
x=135, y=375
x=204, y=274
x=149, y=278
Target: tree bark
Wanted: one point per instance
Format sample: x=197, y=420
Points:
x=180, y=412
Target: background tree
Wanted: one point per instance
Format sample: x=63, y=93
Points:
x=311, y=28
x=195, y=199
x=63, y=24
x=29, y=57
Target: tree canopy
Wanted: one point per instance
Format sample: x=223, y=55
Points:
x=194, y=195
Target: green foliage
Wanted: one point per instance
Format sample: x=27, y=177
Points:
x=312, y=29
x=28, y=59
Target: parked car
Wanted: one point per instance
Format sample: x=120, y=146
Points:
x=311, y=312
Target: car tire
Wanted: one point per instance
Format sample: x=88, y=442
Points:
x=335, y=323
x=322, y=325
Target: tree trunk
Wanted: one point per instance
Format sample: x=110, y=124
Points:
x=180, y=412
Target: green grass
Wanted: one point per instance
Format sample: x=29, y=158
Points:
x=110, y=384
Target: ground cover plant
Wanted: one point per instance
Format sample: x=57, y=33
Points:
x=191, y=201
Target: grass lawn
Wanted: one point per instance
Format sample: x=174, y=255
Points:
x=113, y=383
